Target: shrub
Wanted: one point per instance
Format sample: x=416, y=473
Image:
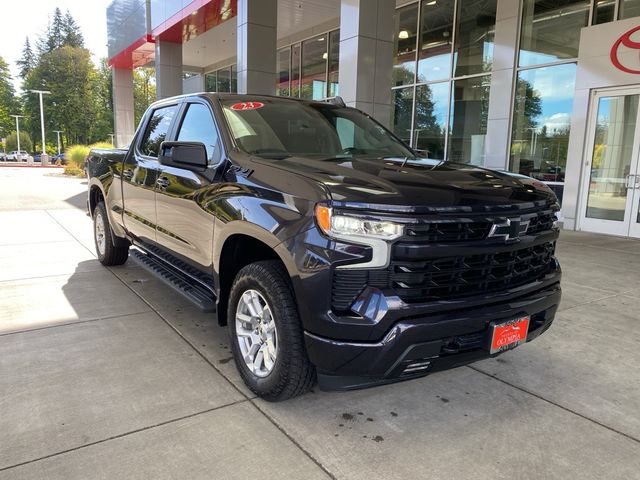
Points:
x=74, y=171
x=75, y=155
x=106, y=145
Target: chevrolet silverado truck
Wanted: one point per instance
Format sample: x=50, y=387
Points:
x=331, y=250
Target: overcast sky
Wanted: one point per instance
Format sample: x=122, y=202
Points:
x=22, y=18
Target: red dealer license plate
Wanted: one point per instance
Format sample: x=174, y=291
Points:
x=506, y=336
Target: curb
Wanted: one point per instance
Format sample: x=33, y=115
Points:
x=22, y=165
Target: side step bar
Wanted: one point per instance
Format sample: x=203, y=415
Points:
x=182, y=283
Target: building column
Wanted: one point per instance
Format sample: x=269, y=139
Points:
x=168, y=69
x=123, y=113
x=256, y=37
x=505, y=56
x=366, y=56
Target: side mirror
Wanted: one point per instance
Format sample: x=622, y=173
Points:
x=184, y=154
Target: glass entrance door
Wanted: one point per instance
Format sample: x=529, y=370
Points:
x=612, y=180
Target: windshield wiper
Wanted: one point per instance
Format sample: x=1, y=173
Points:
x=271, y=153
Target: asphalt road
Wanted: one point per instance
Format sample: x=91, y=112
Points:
x=108, y=373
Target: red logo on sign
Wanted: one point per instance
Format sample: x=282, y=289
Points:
x=625, y=40
x=247, y=106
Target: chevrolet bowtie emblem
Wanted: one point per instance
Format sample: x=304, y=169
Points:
x=511, y=229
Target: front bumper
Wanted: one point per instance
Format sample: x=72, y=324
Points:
x=416, y=346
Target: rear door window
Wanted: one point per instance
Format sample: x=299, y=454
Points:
x=157, y=130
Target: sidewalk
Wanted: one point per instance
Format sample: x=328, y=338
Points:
x=108, y=373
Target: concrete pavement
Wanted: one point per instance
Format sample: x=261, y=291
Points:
x=108, y=373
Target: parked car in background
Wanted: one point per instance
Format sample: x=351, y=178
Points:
x=61, y=157
x=16, y=156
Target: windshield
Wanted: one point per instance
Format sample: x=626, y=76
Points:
x=279, y=128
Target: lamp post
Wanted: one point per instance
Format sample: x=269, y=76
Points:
x=58, y=132
x=17, y=117
x=44, y=153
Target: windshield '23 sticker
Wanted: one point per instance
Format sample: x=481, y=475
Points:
x=247, y=106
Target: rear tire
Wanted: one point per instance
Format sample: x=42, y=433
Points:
x=108, y=253
x=263, y=320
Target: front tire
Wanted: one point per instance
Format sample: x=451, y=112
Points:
x=266, y=334
x=108, y=252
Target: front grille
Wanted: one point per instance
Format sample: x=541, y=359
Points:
x=451, y=277
x=447, y=232
x=541, y=222
x=468, y=229
x=446, y=277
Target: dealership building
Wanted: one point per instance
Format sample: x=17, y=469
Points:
x=545, y=88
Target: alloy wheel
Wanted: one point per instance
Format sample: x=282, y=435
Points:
x=256, y=333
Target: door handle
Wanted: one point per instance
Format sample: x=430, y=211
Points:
x=162, y=182
x=128, y=174
x=632, y=182
x=629, y=182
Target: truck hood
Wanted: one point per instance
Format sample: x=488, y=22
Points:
x=420, y=185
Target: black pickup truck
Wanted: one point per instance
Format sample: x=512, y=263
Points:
x=331, y=250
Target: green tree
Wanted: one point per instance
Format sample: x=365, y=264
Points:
x=68, y=73
x=27, y=61
x=528, y=109
x=25, y=142
x=525, y=123
x=9, y=104
x=144, y=90
x=52, y=37
x=71, y=34
x=430, y=134
x=103, y=96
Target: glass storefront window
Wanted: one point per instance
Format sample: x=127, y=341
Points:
x=224, y=80
x=333, y=63
x=436, y=37
x=542, y=121
x=401, y=113
x=551, y=30
x=469, y=111
x=314, y=68
x=304, y=68
x=475, y=30
x=210, y=82
x=629, y=9
x=429, y=131
x=234, y=79
x=295, y=70
x=405, y=38
x=604, y=11
x=283, y=72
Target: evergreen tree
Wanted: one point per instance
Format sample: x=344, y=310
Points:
x=68, y=73
x=52, y=37
x=8, y=101
x=71, y=34
x=55, y=33
x=63, y=66
x=28, y=60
